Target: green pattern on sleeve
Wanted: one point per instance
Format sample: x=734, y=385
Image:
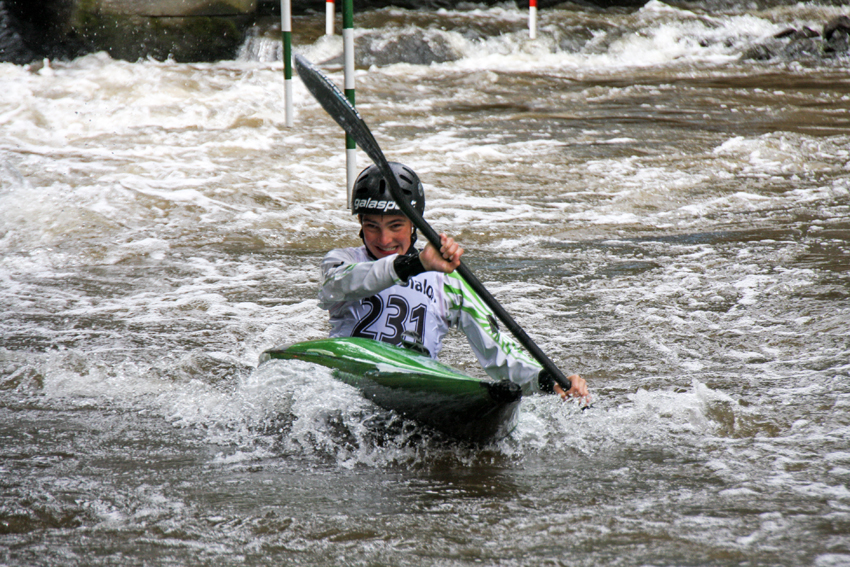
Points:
x=464, y=298
x=338, y=275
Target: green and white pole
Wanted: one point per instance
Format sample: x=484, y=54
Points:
x=286, y=28
x=329, y=17
x=348, y=52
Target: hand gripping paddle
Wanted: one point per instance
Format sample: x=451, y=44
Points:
x=344, y=113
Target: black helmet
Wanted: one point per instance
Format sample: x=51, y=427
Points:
x=372, y=193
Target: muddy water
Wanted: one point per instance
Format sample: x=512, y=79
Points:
x=663, y=217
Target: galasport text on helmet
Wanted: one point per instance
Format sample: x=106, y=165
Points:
x=372, y=192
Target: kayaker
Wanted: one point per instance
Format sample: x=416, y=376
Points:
x=389, y=291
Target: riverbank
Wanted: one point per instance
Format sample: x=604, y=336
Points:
x=182, y=30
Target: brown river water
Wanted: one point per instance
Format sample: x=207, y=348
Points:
x=663, y=216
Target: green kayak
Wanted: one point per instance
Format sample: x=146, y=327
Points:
x=415, y=385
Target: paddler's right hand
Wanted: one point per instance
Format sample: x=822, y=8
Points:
x=446, y=260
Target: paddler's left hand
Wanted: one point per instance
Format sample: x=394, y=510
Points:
x=578, y=390
x=446, y=260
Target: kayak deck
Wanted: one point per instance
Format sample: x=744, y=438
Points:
x=415, y=385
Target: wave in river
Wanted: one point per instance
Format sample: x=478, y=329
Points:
x=655, y=34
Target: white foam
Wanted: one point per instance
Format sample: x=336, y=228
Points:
x=154, y=166
x=832, y=560
x=656, y=35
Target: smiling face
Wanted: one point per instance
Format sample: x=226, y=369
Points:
x=386, y=235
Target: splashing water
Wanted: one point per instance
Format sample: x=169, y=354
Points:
x=662, y=216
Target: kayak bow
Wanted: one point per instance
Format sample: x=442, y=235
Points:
x=415, y=385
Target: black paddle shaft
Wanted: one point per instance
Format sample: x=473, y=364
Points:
x=344, y=113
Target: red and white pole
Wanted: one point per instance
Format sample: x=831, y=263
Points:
x=532, y=19
x=329, y=17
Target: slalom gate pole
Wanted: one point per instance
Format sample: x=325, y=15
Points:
x=286, y=28
x=329, y=17
x=348, y=53
x=532, y=19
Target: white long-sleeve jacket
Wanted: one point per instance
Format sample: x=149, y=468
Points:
x=366, y=298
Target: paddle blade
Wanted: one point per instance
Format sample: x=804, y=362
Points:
x=340, y=109
x=343, y=112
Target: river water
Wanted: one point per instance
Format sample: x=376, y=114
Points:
x=663, y=217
